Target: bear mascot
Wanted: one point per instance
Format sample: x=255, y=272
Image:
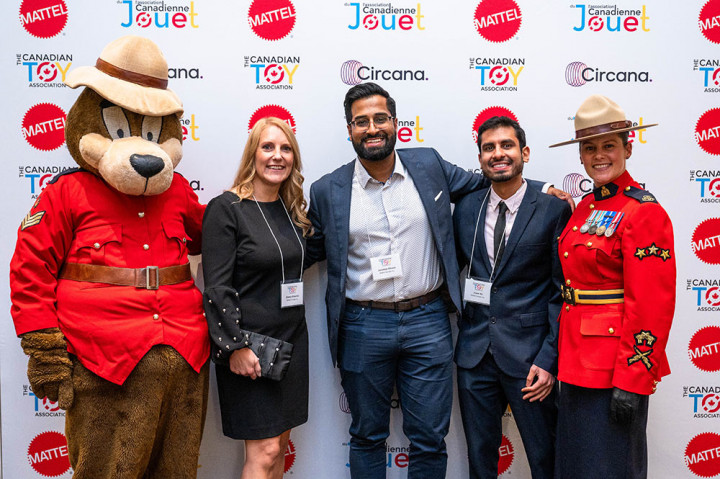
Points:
x=102, y=295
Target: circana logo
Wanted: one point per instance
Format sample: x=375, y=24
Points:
x=272, y=110
x=704, y=349
x=578, y=74
x=43, y=18
x=271, y=19
x=353, y=72
x=706, y=241
x=45, y=69
x=289, y=456
x=507, y=454
x=488, y=113
x=498, y=74
x=709, y=20
x=383, y=16
x=707, y=132
x=497, y=20
x=48, y=454
x=702, y=455
x=44, y=126
x=146, y=14
x=610, y=18
x=709, y=181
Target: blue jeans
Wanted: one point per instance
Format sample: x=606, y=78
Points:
x=380, y=349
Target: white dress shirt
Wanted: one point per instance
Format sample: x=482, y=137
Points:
x=513, y=204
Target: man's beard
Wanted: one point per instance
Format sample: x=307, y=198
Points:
x=501, y=177
x=375, y=154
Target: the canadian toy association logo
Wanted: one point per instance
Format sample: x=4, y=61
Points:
x=151, y=14
x=498, y=74
x=43, y=407
x=610, y=18
x=705, y=241
x=578, y=74
x=43, y=126
x=272, y=110
x=702, y=454
x=44, y=69
x=705, y=292
x=43, y=18
x=497, y=20
x=708, y=185
x=704, y=349
x=385, y=16
x=272, y=72
x=271, y=19
x=488, y=113
x=709, y=71
x=709, y=20
x=705, y=401
x=707, y=131
x=353, y=72
x=39, y=176
x=48, y=454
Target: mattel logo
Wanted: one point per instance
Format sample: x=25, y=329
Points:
x=610, y=18
x=290, y=455
x=271, y=19
x=272, y=110
x=352, y=72
x=706, y=241
x=497, y=20
x=708, y=185
x=707, y=131
x=385, y=16
x=702, y=455
x=705, y=292
x=704, y=349
x=488, y=113
x=498, y=74
x=709, y=20
x=705, y=399
x=159, y=15
x=48, y=454
x=272, y=72
x=43, y=126
x=578, y=74
x=43, y=18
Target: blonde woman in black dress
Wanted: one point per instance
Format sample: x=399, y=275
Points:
x=253, y=243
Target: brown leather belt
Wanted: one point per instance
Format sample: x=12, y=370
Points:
x=150, y=277
x=404, y=305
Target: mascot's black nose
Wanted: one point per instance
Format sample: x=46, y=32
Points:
x=147, y=165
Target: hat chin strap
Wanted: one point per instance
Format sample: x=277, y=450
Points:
x=605, y=128
x=129, y=76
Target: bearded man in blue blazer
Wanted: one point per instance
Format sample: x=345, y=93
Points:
x=385, y=228
x=507, y=341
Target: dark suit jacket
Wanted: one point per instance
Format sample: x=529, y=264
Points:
x=521, y=321
x=438, y=182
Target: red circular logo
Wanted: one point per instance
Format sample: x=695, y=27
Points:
x=712, y=296
x=497, y=20
x=711, y=403
x=596, y=24
x=272, y=110
x=43, y=18
x=48, y=454
x=271, y=19
x=709, y=20
x=704, y=349
x=707, y=131
x=488, y=113
x=289, y=456
x=706, y=241
x=44, y=126
x=507, y=454
x=701, y=455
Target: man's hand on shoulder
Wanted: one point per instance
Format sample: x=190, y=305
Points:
x=562, y=195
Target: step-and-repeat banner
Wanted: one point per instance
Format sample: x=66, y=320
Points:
x=449, y=64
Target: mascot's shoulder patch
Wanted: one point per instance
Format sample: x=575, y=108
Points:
x=643, y=196
x=67, y=172
x=31, y=219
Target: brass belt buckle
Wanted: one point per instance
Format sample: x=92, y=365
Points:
x=568, y=295
x=148, y=284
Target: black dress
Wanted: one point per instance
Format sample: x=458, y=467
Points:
x=242, y=272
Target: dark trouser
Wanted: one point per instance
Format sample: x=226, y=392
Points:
x=591, y=446
x=150, y=427
x=485, y=392
x=380, y=349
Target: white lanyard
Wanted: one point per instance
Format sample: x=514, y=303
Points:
x=292, y=225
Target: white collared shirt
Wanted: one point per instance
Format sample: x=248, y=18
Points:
x=386, y=219
x=513, y=204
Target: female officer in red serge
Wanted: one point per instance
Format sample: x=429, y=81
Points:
x=618, y=260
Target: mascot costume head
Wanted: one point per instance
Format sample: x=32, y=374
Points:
x=101, y=290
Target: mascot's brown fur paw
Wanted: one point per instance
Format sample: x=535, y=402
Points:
x=49, y=367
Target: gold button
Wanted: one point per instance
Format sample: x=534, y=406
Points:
x=96, y=246
x=566, y=254
x=575, y=228
x=567, y=281
x=146, y=247
x=589, y=243
x=592, y=206
x=156, y=316
x=567, y=308
x=627, y=188
x=611, y=331
x=141, y=214
x=558, y=238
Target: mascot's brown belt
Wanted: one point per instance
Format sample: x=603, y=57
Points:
x=150, y=277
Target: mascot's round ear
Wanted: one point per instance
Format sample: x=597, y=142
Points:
x=132, y=73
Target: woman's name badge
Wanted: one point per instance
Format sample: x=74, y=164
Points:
x=291, y=293
x=386, y=267
x=477, y=291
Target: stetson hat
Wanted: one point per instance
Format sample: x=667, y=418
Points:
x=132, y=73
x=599, y=115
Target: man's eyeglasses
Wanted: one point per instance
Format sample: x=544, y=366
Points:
x=380, y=121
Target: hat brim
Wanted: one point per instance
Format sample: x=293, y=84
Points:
x=621, y=130
x=139, y=99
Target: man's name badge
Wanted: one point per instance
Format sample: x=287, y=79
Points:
x=477, y=291
x=386, y=267
x=291, y=293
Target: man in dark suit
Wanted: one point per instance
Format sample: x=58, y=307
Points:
x=385, y=227
x=507, y=342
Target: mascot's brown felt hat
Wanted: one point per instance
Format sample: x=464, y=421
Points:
x=132, y=73
x=599, y=115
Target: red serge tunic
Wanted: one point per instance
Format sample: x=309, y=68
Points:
x=79, y=218
x=618, y=345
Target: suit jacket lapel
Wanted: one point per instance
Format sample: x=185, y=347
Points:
x=425, y=189
x=525, y=212
x=341, y=196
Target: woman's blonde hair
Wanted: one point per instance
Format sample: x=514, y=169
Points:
x=291, y=190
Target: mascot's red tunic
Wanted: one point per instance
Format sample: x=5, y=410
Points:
x=81, y=219
x=618, y=344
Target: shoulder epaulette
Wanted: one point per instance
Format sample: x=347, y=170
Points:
x=643, y=196
x=66, y=172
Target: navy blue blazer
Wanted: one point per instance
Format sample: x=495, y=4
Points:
x=521, y=320
x=438, y=183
